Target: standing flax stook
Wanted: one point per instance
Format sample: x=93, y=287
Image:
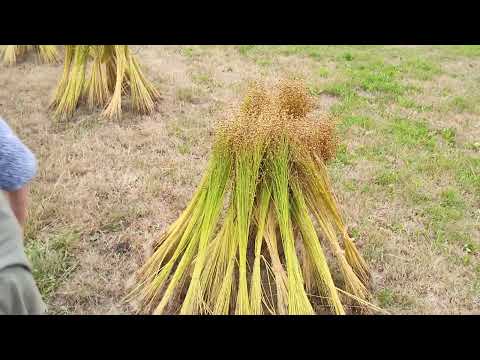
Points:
x=265, y=253
x=47, y=53
x=115, y=72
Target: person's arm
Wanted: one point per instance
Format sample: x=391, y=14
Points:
x=17, y=167
x=18, y=203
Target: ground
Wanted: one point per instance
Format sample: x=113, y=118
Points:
x=407, y=172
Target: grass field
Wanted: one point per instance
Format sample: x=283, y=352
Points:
x=407, y=171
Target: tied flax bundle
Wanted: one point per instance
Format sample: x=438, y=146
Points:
x=47, y=53
x=248, y=242
x=114, y=72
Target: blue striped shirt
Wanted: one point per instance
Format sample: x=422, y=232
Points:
x=18, y=165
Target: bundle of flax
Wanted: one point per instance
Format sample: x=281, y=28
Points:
x=114, y=72
x=262, y=255
x=47, y=53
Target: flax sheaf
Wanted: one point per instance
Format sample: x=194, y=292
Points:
x=47, y=54
x=114, y=73
x=265, y=254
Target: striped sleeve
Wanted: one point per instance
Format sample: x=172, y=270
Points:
x=18, y=164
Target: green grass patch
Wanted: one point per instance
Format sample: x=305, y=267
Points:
x=415, y=190
x=342, y=53
x=312, y=51
x=347, y=56
x=363, y=122
x=184, y=148
x=448, y=209
x=265, y=62
x=323, y=72
x=52, y=260
x=315, y=90
x=468, y=173
x=386, y=297
x=377, y=152
x=342, y=155
x=411, y=133
x=439, y=214
x=437, y=165
x=449, y=135
x=473, y=146
x=349, y=99
x=420, y=69
x=117, y=220
x=459, y=104
x=407, y=103
x=462, y=50
x=344, y=90
x=387, y=177
x=350, y=185
x=462, y=104
x=380, y=78
x=433, y=164
x=366, y=189
x=246, y=49
x=203, y=79
x=192, y=52
x=451, y=198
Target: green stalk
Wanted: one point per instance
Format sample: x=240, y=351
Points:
x=314, y=251
x=351, y=253
x=184, y=248
x=224, y=279
x=353, y=283
x=216, y=265
x=165, y=245
x=216, y=190
x=298, y=302
x=256, y=281
x=322, y=204
x=247, y=165
x=279, y=272
x=155, y=272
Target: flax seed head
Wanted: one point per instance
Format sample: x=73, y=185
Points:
x=255, y=101
x=265, y=117
x=293, y=98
